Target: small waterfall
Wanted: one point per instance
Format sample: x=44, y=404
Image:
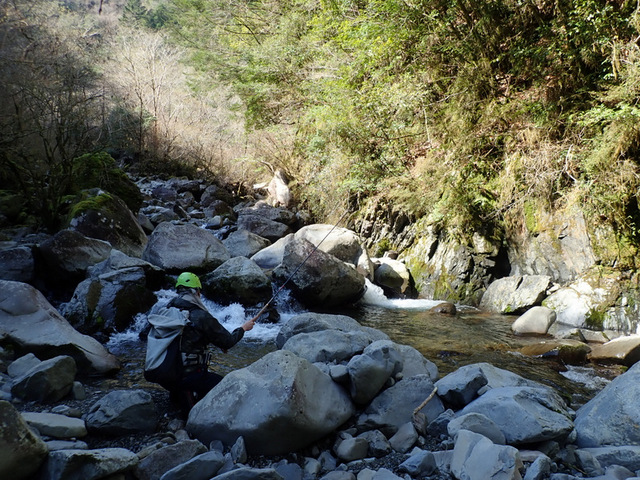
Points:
x=374, y=296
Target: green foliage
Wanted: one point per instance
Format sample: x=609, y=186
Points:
x=595, y=319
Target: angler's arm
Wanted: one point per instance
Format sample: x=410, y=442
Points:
x=214, y=332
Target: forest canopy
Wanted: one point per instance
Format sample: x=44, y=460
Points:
x=473, y=115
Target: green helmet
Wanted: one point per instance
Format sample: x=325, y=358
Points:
x=188, y=279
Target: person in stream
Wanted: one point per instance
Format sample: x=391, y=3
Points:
x=182, y=368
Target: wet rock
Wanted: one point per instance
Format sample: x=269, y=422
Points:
x=283, y=419
x=622, y=350
x=21, y=450
x=570, y=352
x=445, y=308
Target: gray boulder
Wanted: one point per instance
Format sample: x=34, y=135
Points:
x=394, y=277
x=48, y=381
x=123, y=412
x=22, y=365
x=270, y=257
x=315, y=322
x=617, y=407
x=200, y=467
x=419, y=465
x=243, y=243
x=622, y=350
x=340, y=242
x=475, y=457
x=55, y=425
x=515, y=294
x=179, y=247
x=318, y=278
x=379, y=446
x=524, y=415
x=461, y=386
x=238, y=280
x=328, y=346
x=263, y=209
x=627, y=456
x=371, y=370
x=88, y=464
x=279, y=404
x=21, y=450
x=17, y=264
x=394, y=406
x=109, y=302
x=414, y=363
x=259, y=225
x=477, y=423
x=248, y=473
x=29, y=320
x=70, y=253
x=106, y=217
x=162, y=460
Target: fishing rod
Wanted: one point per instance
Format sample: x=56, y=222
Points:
x=273, y=297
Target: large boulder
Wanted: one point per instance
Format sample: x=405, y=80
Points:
x=340, y=242
x=89, y=464
x=328, y=346
x=68, y=255
x=394, y=406
x=318, y=278
x=279, y=404
x=17, y=264
x=262, y=226
x=21, y=450
x=179, y=247
x=243, y=243
x=536, y=320
x=123, y=412
x=270, y=257
x=31, y=323
x=106, y=217
x=515, y=294
x=394, y=277
x=525, y=415
x=475, y=457
x=238, y=280
x=617, y=407
x=623, y=350
x=109, y=302
x=314, y=322
x=48, y=381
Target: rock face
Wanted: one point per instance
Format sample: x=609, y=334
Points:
x=322, y=279
x=278, y=404
x=616, y=406
x=24, y=310
x=180, y=247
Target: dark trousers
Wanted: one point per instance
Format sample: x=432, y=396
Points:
x=192, y=388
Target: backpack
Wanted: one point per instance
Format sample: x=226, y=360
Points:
x=163, y=361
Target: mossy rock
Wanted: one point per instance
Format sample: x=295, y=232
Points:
x=99, y=170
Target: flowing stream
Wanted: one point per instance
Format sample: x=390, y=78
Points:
x=450, y=341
